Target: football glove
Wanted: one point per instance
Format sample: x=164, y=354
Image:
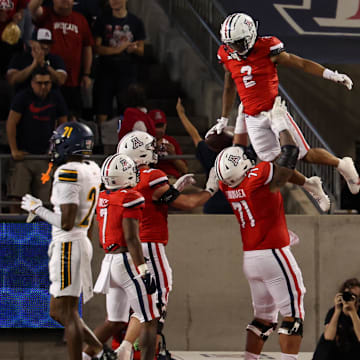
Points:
x=149, y=282
x=212, y=184
x=338, y=78
x=30, y=203
x=218, y=128
x=183, y=181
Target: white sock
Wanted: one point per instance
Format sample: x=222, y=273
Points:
x=127, y=345
x=289, y=356
x=251, y=356
x=85, y=356
x=99, y=355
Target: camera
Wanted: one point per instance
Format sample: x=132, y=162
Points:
x=348, y=296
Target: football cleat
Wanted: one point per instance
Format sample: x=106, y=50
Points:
x=108, y=354
x=347, y=169
x=313, y=186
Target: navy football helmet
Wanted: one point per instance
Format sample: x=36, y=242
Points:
x=70, y=138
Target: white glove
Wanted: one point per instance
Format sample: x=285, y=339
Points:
x=338, y=78
x=278, y=116
x=183, y=181
x=30, y=203
x=240, y=125
x=212, y=184
x=219, y=127
x=294, y=239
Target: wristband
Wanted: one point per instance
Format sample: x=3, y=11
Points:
x=142, y=269
x=328, y=74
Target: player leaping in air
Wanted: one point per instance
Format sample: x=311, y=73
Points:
x=250, y=64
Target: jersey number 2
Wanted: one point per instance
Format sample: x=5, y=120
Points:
x=248, y=78
x=91, y=197
x=243, y=208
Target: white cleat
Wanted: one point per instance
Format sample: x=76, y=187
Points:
x=347, y=169
x=313, y=186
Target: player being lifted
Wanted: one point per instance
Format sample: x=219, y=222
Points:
x=124, y=276
x=274, y=277
x=250, y=64
x=154, y=187
x=75, y=191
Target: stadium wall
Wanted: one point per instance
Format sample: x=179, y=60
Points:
x=210, y=304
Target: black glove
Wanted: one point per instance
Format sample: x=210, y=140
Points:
x=149, y=282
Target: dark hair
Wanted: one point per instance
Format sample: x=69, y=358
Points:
x=40, y=70
x=135, y=96
x=349, y=284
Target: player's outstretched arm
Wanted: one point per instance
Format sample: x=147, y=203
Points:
x=188, y=125
x=167, y=194
x=64, y=221
x=312, y=67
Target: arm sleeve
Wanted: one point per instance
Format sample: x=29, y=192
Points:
x=87, y=36
x=68, y=193
x=133, y=204
x=18, y=103
x=157, y=178
x=57, y=63
x=275, y=47
x=140, y=31
x=66, y=185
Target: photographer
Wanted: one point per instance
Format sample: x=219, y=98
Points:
x=341, y=337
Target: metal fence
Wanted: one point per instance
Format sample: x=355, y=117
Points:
x=5, y=164
x=199, y=21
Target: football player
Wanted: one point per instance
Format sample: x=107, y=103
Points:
x=75, y=191
x=250, y=64
x=124, y=275
x=274, y=277
x=158, y=194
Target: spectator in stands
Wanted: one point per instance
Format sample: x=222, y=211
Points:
x=35, y=113
x=119, y=40
x=218, y=203
x=136, y=115
x=11, y=13
x=341, y=337
x=167, y=145
x=72, y=42
x=37, y=55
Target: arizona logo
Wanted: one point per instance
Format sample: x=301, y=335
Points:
x=125, y=165
x=234, y=159
x=136, y=142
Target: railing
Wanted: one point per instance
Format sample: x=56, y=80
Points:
x=98, y=158
x=199, y=21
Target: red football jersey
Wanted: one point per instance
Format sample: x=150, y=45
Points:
x=70, y=34
x=259, y=211
x=112, y=208
x=153, y=226
x=255, y=76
